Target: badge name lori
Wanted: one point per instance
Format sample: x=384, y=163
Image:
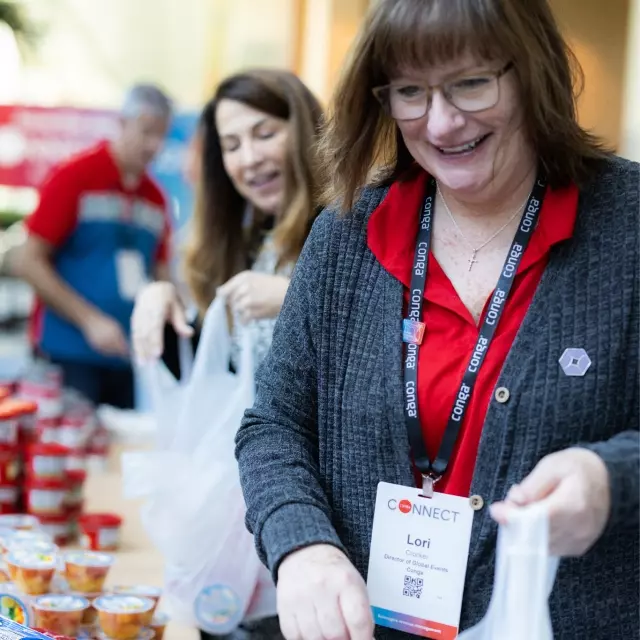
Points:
x=418, y=561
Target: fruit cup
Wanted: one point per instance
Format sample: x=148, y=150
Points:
x=100, y=531
x=86, y=571
x=19, y=522
x=60, y=614
x=140, y=591
x=47, y=461
x=90, y=615
x=57, y=528
x=158, y=625
x=47, y=497
x=31, y=571
x=122, y=617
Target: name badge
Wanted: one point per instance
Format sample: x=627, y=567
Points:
x=131, y=273
x=418, y=561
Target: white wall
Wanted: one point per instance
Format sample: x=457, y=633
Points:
x=631, y=114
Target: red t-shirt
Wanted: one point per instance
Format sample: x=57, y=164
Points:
x=93, y=172
x=451, y=332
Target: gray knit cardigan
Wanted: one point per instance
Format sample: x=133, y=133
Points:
x=328, y=421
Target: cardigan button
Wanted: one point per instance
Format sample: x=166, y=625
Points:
x=502, y=395
x=476, y=502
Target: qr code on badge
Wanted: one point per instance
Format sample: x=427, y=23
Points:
x=412, y=587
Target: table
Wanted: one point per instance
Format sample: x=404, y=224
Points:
x=136, y=562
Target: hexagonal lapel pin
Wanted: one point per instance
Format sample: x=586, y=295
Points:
x=575, y=362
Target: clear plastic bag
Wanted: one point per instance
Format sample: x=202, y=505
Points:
x=524, y=578
x=193, y=509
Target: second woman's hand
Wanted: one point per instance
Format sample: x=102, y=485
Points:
x=321, y=596
x=255, y=296
x=157, y=304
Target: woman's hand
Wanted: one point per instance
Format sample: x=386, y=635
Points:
x=321, y=596
x=574, y=484
x=156, y=304
x=255, y=296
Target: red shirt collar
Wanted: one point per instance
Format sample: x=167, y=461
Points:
x=393, y=226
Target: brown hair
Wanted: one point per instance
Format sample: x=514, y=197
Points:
x=401, y=34
x=220, y=246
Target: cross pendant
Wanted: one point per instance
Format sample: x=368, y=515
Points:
x=472, y=260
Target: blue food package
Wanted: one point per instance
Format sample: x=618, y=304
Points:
x=10, y=630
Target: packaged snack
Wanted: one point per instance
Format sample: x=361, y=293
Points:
x=86, y=571
x=59, y=614
x=145, y=634
x=100, y=531
x=31, y=571
x=158, y=625
x=10, y=630
x=140, y=591
x=122, y=617
x=9, y=495
x=27, y=539
x=90, y=615
x=10, y=414
x=57, y=528
x=10, y=465
x=47, y=461
x=14, y=605
x=46, y=497
x=19, y=522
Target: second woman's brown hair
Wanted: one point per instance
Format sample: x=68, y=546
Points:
x=417, y=34
x=220, y=245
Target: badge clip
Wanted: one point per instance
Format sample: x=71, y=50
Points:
x=428, y=483
x=412, y=331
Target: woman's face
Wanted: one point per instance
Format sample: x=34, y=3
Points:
x=255, y=146
x=497, y=154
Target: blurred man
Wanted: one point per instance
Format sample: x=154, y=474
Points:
x=100, y=232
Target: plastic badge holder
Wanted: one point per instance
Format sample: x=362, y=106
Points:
x=524, y=578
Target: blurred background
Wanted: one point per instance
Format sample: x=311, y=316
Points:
x=65, y=64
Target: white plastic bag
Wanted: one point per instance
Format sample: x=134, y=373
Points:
x=525, y=573
x=193, y=508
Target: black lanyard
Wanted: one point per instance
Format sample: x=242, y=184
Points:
x=413, y=331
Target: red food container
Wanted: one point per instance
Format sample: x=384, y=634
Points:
x=47, y=461
x=100, y=531
x=14, y=415
x=5, y=392
x=57, y=527
x=46, y=390
x=10, y=465
x=46, y=497
x=9, y=496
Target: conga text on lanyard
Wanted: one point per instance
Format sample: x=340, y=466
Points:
x=413, y=330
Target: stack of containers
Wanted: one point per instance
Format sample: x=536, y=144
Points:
x=55, y=452
x=10, y=415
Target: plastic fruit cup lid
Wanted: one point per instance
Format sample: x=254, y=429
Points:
x=142, y=590
x=30, y=536
x=99, y=520
x=54, y=602
x=39, y=546
x=160, y=620
x=32, y=559
x=123, y=604
x=17, y=521
x=89, y=559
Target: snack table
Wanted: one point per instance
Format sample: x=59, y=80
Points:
x=136, y=562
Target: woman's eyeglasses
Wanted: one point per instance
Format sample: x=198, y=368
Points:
x=470, y=94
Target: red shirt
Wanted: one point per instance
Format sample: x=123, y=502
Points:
x=91, y=173
x=451, y=332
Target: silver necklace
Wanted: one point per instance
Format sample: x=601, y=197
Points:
x=474, y=250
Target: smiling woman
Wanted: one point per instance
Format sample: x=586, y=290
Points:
x=419, y=352
x=255, y=206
